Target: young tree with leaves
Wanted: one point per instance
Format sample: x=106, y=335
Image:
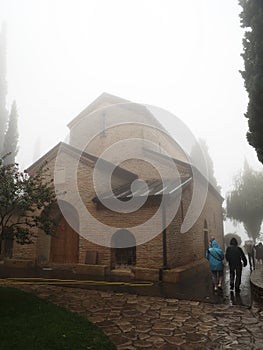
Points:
x=252, y=19
x=245, y=202
x=25, y=201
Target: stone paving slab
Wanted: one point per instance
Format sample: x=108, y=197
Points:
x=143, y=322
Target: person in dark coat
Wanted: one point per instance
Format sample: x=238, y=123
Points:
x=259, y=252
x=215, y=256
x=235, y=256
x=250, y=248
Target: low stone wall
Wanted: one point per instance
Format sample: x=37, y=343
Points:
x=91, y=270
x=121, y=275
x=145, y=274
x=102, y=272
x=186, y=271
x=82, y=269
x=59, y=267
x=19, y=263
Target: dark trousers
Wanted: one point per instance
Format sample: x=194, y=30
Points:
x=235, y=276
x=217, y=277
x=251, y=260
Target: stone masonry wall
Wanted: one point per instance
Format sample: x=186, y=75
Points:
x=182, y=248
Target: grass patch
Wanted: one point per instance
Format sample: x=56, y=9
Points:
x=30, y=323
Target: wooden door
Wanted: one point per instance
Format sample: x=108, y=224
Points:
x=64, y=244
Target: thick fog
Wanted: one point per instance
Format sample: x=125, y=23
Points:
x=182, y=56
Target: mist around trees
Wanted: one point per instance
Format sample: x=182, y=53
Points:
x=8, y=120
x=245, y=202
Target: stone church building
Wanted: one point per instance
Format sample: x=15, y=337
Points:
x=101, y=229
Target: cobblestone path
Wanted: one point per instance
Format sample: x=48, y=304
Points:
x=144, y=322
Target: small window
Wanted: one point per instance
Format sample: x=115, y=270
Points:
x=124, y=249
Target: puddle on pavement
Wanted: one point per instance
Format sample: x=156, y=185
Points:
x=198, y=288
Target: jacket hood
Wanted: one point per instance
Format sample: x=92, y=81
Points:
x=215, y=244
x=233, y=241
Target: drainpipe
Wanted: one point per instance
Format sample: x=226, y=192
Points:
x=164, y=267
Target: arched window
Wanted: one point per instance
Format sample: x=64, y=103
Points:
x=123, y=249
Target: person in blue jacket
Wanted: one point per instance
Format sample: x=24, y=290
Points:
x=215, y=256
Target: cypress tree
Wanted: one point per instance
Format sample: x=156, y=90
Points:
x=3, y=87
x=11, y=136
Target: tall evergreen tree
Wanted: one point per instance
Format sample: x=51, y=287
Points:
x=252, y=19
x=3, y=86
x=11, y=136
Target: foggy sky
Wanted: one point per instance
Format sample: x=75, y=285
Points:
x=182, y=56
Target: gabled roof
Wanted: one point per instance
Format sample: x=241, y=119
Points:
x=83, y=157
x=106, y=100
x=148, y=188
x=190, y=167
x=103, y=99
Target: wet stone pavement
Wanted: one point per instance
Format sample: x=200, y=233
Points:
x=133, y=321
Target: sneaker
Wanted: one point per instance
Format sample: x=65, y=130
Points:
x=231, y=287
x=215, y=288
x=220, y=287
